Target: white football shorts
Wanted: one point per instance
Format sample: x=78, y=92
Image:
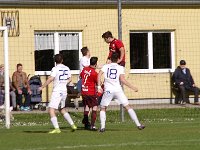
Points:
x=58, y=99
x=108, y=97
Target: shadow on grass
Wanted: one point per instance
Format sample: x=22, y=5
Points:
x=36, y=132
x=79, y=128
x=69, y=128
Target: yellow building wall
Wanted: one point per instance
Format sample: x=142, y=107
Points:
x=93, y=21
x=186, y=24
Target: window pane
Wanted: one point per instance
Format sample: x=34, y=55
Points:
x=71, y=59
x=139, y=50
x=161, y=50
x=44, y=51
x=69, y=43
x=44, y=60
x=44, y=41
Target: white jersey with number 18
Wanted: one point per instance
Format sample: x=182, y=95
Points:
x=61, y=74
x=111, y=76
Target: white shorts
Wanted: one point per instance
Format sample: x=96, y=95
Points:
x=58, y=99
x=108, y=97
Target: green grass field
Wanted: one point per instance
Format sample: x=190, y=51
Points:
x=166, y=129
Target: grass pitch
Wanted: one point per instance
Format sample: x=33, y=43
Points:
x=175, y=129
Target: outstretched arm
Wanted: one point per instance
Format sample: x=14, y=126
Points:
x=124, y=81
x=49, y=80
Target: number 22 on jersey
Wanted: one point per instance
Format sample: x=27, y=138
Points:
x=63, y=74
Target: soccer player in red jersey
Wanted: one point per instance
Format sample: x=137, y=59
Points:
x=89, y=92
x=115, y=45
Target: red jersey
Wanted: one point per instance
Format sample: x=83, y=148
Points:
x=89, y=81
x=114, y=46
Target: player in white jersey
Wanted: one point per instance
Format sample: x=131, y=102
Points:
x=85, y=60
x=113, y=75
x=61, y=76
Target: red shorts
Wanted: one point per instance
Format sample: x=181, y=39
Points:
x=90, y=100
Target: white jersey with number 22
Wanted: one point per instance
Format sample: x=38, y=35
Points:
x=61, y=74
x=111, y=76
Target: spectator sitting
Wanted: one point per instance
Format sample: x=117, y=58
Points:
x=2, y=90
x=184, y=81
x=20, y=82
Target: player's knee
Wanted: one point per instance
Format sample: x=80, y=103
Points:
x=94, y=108
x=127, y=107
x=62, y=111
x=103, y=108
x=52, y=112
x=87, y=108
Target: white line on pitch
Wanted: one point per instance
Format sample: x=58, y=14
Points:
x=143, y=143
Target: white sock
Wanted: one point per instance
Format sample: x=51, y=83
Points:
x=133, y=116
x=54, y=121
x=68, y=118
x=103, y=119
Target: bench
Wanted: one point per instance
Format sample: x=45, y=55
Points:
x=178, y=99
x=73, y=96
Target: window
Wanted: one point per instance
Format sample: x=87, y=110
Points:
x=151, y=52
x=47, y=44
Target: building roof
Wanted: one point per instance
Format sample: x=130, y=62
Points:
x=96, y=2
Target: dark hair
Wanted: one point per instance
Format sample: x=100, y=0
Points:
x=107, y=35
x=58, y=58
x=93, y=61
x=19, y=64
x=84, y=51
x=182, y=62
x=114, y=57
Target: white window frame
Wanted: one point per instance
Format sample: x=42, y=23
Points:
x=150, y=54
x=56, y=50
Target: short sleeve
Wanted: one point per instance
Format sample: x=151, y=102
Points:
x=53, y=72
x=85, y=62
x=103, y=68
x=121, y=70
x=69, y=73
x=119, y=44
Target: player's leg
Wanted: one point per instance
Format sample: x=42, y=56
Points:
x=124, y=101
x=85, y=120
x=93, y=118
x=106, y=99
x=53, y=105
x=65, y=113
x=103, y=118
x=93, y=104
x=134, y=117
x=54, y=121
x=68, y=119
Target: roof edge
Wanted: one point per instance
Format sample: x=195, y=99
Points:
x=96, y=2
